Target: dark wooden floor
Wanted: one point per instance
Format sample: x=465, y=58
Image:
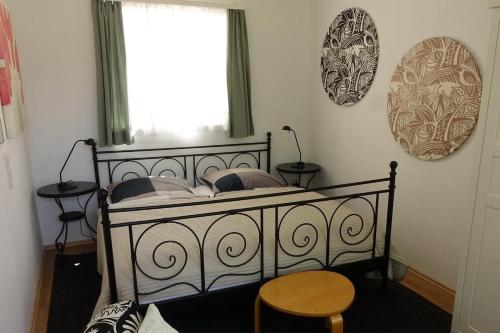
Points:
x=76, y=288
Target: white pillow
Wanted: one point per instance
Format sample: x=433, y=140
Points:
x=154, y=323
x=203, y=191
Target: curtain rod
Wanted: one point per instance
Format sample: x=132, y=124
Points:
x=199, y=3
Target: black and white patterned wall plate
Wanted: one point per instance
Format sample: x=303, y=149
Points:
x=349, y=56
x=123, y=317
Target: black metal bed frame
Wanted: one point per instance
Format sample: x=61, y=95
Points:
x=231, y=255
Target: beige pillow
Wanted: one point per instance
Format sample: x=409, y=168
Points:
x=154, y=323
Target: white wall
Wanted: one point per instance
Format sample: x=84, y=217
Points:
x=57, y=52
x=20, y=241
x=434, y=200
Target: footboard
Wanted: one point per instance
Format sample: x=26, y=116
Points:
x=237, y=243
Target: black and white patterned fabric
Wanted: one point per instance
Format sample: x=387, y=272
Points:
x=240, y=179
x=123, y=317
x=137, y=188
x=349, y=56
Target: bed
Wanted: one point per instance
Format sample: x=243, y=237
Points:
x=163, y=248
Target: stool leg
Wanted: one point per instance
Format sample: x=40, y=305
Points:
x=257, y=315
x=335, y=323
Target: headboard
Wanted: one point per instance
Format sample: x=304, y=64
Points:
x=190, y=163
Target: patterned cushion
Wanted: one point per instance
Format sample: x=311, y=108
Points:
x=240, y=179
x=143, y=187
x=123, y=317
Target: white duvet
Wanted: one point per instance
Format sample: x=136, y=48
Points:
x=159, y=247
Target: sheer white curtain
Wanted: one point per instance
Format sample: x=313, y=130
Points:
x=176, y=68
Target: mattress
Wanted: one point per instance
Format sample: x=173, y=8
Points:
x=169, y=255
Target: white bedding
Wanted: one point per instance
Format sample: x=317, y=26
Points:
x=229, y=225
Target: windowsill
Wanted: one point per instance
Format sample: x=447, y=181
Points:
x=196, y=133
x=208, y=137
x=181, y=139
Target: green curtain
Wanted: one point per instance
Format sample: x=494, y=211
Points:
x=238, y=76
x=112, y=108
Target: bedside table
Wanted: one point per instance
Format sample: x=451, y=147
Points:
x=53, y=192
x=308, y=169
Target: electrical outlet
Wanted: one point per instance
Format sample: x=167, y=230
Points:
x=8, y=170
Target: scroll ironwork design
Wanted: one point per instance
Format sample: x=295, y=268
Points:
x=176, y=265
x=198, y=164
x=248, y=164
x=160, y=162
x=135, y=173
x=307, y=230
x=352, y=228
x=168, y=171
x=215, y=162
x=175, y=168
x=233, y=245
x=230, y=246
x=236, y=247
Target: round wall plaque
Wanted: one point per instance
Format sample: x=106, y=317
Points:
x=349, y=56
x=434, y=98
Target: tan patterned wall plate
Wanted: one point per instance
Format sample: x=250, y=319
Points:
x=349, y=57
x=434, y=98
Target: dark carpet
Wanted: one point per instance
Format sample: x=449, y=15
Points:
x=76, y=289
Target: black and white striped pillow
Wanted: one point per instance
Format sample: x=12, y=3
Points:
x=240, y=179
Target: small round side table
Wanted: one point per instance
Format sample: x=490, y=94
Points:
x=309, y=168
x=308, y=294
x=53, y=192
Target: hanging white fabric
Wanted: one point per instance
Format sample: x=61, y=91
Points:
x=176, y=68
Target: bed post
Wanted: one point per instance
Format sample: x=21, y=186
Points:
x=388, y=230
x=108, y=244
x=269, y=152
x=92, y=142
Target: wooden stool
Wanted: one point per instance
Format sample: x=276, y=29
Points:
x=308, y=294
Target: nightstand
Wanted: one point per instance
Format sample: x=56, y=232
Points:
x=53, y=192
x=308, y=169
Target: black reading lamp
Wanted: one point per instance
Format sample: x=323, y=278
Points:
x=69, y=185
x=299, y=164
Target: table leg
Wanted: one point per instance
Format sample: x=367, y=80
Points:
x=335, y=323
x=283, y=177
x=257, y=314
x=85, y=215
x=64, y=229
x=310, y=180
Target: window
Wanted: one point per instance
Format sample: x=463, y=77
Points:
x=176, y=68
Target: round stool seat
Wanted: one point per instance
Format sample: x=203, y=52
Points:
x=309, y=294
